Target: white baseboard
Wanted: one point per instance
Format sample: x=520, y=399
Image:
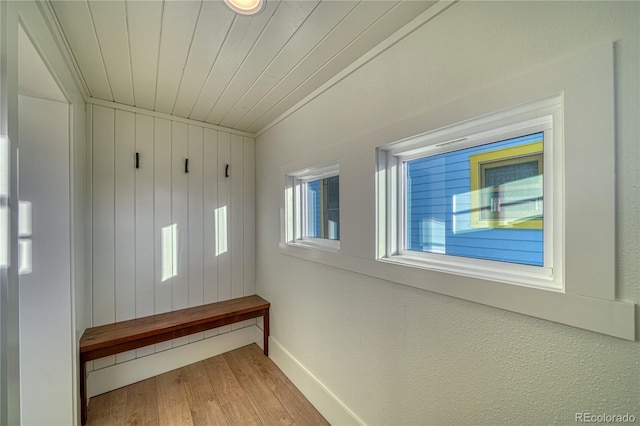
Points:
x=126, y=373
x=334, y=410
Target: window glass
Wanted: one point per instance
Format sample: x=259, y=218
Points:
x=483, y=202
x=323, y=208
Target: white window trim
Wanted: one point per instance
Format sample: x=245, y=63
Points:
x=296, y=207
x=540, y=116
x=589, y=299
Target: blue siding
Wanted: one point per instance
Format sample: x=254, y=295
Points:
x=435, y=184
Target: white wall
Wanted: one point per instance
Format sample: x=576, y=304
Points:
x=35, y=21
x=133, y=211
x=392, y=354
x=46, y=306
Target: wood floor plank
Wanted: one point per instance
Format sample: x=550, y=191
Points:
x=107, y=408
x=222, y=379
x=298, y=407
x=240, y=412
x=141, y=407
x=267, y=406
x=201, y=398
x=241, y=387
x=173, y=408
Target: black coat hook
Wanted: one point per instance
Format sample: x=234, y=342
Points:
x=137, y=160
x=186, y=165
x=226, y=171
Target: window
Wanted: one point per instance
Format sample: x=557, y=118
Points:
x=480, y=198
x=313, y=205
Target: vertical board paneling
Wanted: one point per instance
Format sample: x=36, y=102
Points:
x=249, y=234
x=144, y=208
x=211, y=176
x=164, y=265
x=237, y=220
x=223, y=227
x=195, y=237
x=125, y=297
x=164, y=239
x=103, y=222
x=180, y=218
x=249, y=191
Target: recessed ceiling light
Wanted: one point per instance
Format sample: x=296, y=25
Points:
x=246, y=7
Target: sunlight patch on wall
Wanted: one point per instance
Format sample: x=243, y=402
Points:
x=169, y=251
x=221, y=230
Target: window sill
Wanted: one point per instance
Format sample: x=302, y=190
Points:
x=316, y=244
x=529, y=276
x=613, y=318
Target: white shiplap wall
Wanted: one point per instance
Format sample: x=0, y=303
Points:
x=131, y=207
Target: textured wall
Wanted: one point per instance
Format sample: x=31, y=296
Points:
x=399, y=355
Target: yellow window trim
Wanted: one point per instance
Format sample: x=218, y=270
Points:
x=498, y=158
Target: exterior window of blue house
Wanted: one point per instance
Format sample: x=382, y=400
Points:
x=480, y=198
x=483, y=202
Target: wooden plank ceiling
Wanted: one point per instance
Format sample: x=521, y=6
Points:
x=199, y=60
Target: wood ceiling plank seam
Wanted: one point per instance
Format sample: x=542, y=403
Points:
x=74, y=21
x=352, y=13
x=387, y=25
x=126, y=18
x=250, y=110
x=174, y=48
x=69, y=57
x=155, y=92
x=187, y=99
x=144, y=20
x=264, y=69
x=243, y=32
x=195, y=27
x=104, y=65
x=434, y=10
x=110, y=23
x=212, y=65
x=244, y=121
x=244, y=60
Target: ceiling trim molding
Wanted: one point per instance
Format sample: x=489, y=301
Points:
x=137, y=110
x=46, y=9
x=403, y=32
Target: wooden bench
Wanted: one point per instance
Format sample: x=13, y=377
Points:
x=110, y=339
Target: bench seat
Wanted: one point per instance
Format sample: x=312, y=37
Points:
x=111, y=339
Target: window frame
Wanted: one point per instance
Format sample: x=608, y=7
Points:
x=296, y=206
x=539, y=116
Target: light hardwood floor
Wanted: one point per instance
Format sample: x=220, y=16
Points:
x=241, y=387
